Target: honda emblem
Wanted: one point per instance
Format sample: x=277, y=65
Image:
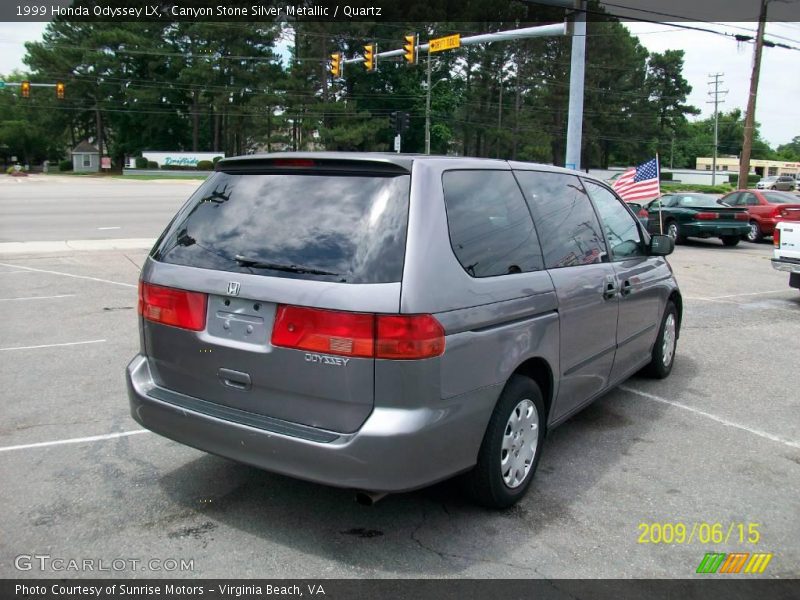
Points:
x=233, y=288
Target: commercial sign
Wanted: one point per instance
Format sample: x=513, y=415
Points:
x=182, y=159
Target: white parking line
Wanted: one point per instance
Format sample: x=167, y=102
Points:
x=38, y=297
x=94, y=438
x=107, y=228
x=12, y=272
x=69, y=275
x=758, y=432
x=748, y=294
x=53, y=345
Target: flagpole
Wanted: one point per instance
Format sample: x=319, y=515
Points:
x=658, y=177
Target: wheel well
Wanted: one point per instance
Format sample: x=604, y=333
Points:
x=677, y=299
x=538, y=370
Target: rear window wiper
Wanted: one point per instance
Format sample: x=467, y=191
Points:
x=257, y=264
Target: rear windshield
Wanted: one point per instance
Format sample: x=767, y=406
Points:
x=779, y=198
x=344, y=228
x=698, y=201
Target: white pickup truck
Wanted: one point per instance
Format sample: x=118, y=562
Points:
x=786, y=256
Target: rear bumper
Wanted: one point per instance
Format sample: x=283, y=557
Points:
x=395, y=450
x=783, y=265
x=704, y=230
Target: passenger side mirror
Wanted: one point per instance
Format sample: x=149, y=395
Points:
x=661, y=245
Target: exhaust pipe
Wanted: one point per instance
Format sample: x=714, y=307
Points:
x=369, y=498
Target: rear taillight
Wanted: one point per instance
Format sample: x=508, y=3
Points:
x=742, y=216
x=398, y=337
x=407, y=337
x=326, y=331
x=170, y=306
x=643, y=213
x=776, y=237
x=706, y=216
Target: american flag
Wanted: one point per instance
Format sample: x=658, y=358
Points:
x=639, y=183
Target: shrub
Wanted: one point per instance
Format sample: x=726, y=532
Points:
x=216, y=159
x=205, y=165
x=10, y=170
x=65, y=165
x=751, y=179
x=151, y=164
x=665, y=176
x=141, y=162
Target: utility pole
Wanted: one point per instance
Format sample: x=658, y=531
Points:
x=576, y=79
x=428, y=107
x=713, y=79
x=749, y=120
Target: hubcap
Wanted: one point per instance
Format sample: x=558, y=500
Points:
x=520, y=439
x=672, y=231
x=752, y=235
x=668, y=349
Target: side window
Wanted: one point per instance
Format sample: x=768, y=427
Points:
x=566, y=222
x=735, y=199
x=491, y=229
x=621, y=229
x=750, y=199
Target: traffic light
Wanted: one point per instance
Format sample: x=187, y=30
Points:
x=398, y=121
x=336, y=64
x=410, y=48
x=393, y=121
x=60, y=90
x=370, y=60
x=25, y=89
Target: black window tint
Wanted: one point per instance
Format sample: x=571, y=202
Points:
x=750, y=200
x=491, y=230
x=324, y=227
x=734, y=200
x=566, y=222
x=621, y=229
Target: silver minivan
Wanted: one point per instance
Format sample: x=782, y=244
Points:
x=382, y=322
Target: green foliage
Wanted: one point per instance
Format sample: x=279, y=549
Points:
x=140, y=162
x=216, y=159
x=151, y=164
x=733, y=178
x=65, y=165
x=694, y=187
x=204, y=165
x=665, y=176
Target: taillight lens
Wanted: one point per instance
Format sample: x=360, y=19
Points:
x=326, y=331
x=170, y=306
x=397, y=337
x=706, y=216
x=407, y=337
x=742, y=216
x=643, y=213
x=776, y=237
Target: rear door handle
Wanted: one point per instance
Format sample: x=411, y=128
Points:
x=627, y=288
x=610, y=290
x=234, y=379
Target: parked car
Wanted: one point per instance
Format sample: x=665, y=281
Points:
x=382, y=322
x=783, y=182
x=786, y=256
x=640, y=210
x=697, y=215
x=765, y=209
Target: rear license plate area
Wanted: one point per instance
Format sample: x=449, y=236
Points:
x=240, y=320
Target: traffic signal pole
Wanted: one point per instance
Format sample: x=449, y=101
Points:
x=428, y=107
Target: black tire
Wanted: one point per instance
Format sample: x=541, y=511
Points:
x=754, y=235
x=730, y=240
x=485, y=482
x=673, y=230
x=658, y=367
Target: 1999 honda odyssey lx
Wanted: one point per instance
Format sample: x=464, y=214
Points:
x=382, y=322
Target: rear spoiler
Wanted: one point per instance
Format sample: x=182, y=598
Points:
x=312, y=166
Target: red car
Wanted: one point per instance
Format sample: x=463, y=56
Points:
x=765, y=208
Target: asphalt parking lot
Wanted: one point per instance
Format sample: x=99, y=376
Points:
x=716, y=442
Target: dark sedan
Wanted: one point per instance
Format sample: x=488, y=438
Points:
x=697, y=215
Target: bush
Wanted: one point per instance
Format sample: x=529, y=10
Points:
x=205, y=165
x=10, y=170
x=140, y=162
x=665, y=176
x=694, y=187
x=178, y=167
x=65, y=165
x=151, y=164
x=751, y=179
x=216, y=159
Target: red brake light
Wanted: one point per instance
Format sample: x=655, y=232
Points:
x=399, y=337
x=742, y=216
x=409, y=337
x=170, y=306
x=643, y=213
x=776, y=237
x=293, y=162
x=326, y=331
x=706, y=216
